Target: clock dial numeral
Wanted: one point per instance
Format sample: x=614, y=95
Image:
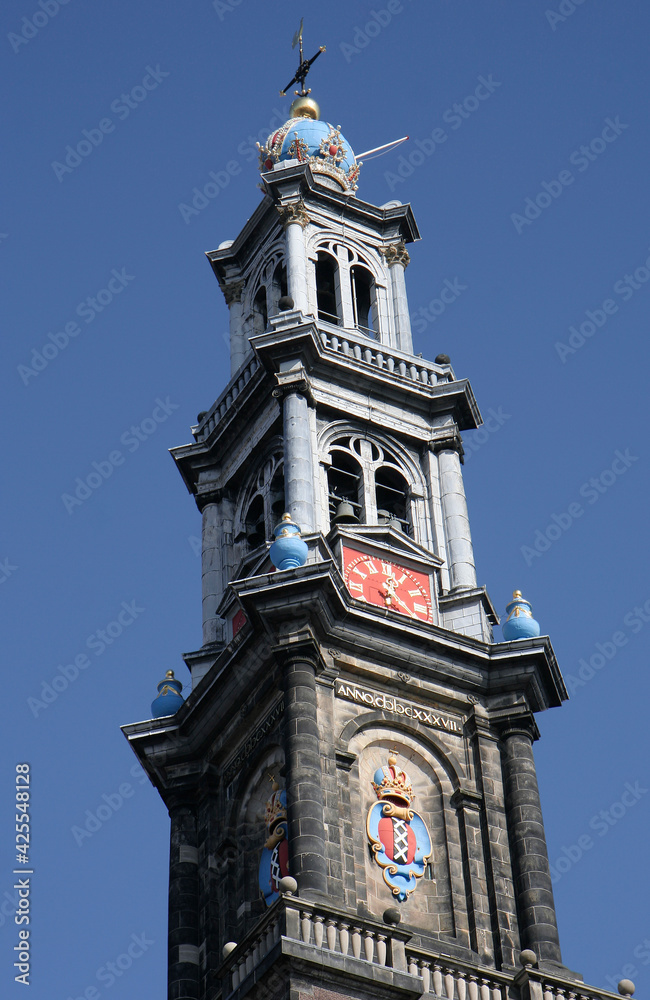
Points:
x=397, y=589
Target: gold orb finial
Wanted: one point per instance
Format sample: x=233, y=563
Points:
x=304, y=107
x=516, y=594
x=170, y=675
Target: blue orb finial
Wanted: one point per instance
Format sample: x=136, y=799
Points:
x=169, y=698
x=520, y=623
x=288, y=550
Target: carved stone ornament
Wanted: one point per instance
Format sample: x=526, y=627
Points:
x=232, y=291
x=396, y=253
x=399, y=838
x=294, y=213
x=274, y=860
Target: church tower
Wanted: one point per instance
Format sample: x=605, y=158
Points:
x=351, y=784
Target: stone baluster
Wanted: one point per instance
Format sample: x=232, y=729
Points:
x=426, y=976
x=356, y=942
x=330, y=934
x=344, y=937
x=318, y=930
x=368, y=945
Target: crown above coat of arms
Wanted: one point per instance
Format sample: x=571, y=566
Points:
x=392, y=783
x=276, y=806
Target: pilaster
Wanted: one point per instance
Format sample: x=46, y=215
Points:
x=532, y=877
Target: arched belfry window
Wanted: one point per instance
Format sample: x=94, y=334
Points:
x=367, y=484
x=327, y=288
x=391, y=498
x=344, y=485
x=260, y=311
x=364, y=304
x=262, y=504
x=280, y=287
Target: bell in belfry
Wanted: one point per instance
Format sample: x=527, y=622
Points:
x=345, y=514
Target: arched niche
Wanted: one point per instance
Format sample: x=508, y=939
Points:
x=438, y=904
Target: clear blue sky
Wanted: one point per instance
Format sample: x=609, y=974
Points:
x=106, y=227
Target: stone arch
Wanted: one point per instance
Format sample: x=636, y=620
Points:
x=245, y=828
x=439, y=902
x=396, y=457
x=265, y=480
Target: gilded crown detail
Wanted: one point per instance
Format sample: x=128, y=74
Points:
x=392, y=783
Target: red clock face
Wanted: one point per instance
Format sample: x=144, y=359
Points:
x=387, y=584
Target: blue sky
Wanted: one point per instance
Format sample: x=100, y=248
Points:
x=532, y=201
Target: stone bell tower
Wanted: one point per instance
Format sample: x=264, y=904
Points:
x=350, y=781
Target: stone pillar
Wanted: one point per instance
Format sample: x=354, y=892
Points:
x=298, y=457
x=183, y=903
x=238, y=346
x=294, y=219
x=462, y=572
x=306, y=828
x=533, y=888
x=397, y=259
x=484, y=743
x=468, y=809
x=212, y=552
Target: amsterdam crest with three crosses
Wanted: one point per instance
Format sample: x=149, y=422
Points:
x=398, y=835
x=274, y=861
